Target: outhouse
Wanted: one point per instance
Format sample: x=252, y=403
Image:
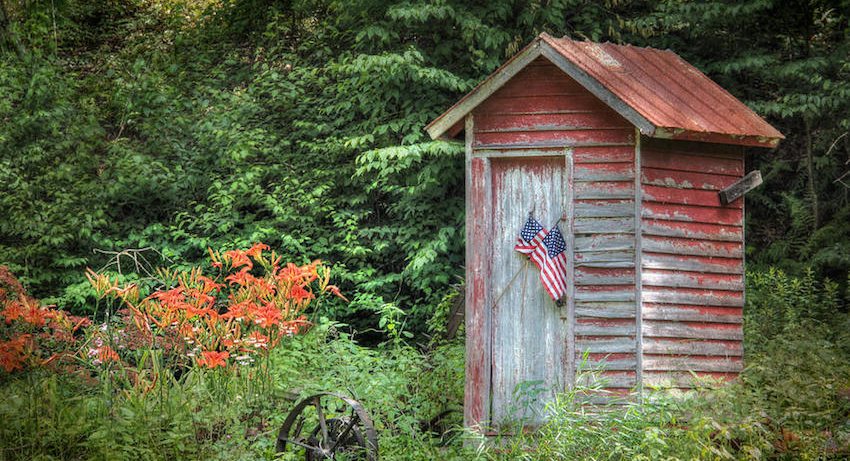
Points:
x=628, y=150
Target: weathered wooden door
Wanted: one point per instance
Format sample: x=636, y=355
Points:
x=530, y=361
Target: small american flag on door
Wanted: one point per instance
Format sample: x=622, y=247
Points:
x=548, y=251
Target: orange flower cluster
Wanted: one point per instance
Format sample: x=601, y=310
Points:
x=243, y=312
x=33, y=334
x=258, y=302
x=14, y=353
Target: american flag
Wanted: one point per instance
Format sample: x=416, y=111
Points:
x=547, y=250
x=530, y=237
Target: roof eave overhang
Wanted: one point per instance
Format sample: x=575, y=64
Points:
x=717, y=138
x=592, y=85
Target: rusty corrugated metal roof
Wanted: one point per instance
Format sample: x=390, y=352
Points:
x=658, y=91
x=672, y=94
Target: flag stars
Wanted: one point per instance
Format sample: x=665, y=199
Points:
x=547, y=251
x=555, y=243
x=530, y=229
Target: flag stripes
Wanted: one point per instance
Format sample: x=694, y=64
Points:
x=547, y=250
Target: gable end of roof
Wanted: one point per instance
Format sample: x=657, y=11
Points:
x=442, y=124
x=656, y=91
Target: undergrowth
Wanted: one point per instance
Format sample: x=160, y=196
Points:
x=791, y=402
x=212, y=414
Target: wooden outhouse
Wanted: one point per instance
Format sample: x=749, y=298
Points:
x=627, y=149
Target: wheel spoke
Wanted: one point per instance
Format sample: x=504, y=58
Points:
x=322, y=422
x=343, y=426
x=299, y=425
x=302, y=445
x=342, y=435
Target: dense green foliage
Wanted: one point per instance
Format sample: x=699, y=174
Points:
x=182, y=125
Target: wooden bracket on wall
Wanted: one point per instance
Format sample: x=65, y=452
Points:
x=741, y=187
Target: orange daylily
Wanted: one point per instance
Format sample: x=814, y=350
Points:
x=13, y=353
x=213, y=359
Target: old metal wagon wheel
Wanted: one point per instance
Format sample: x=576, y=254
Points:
x=329, y=426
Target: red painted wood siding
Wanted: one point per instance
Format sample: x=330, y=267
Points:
x=542, y=112
x=541, y=107
x=692, y=269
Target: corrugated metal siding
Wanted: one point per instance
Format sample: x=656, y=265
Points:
x=539, y=116
x=692, y=269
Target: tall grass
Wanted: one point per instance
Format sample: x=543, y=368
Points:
x=227, y=414
x=791, y=402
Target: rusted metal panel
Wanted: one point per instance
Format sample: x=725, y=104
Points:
x=668, y=92
x=655, y=91
x=528, y=333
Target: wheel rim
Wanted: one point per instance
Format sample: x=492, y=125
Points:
x=340, y=429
